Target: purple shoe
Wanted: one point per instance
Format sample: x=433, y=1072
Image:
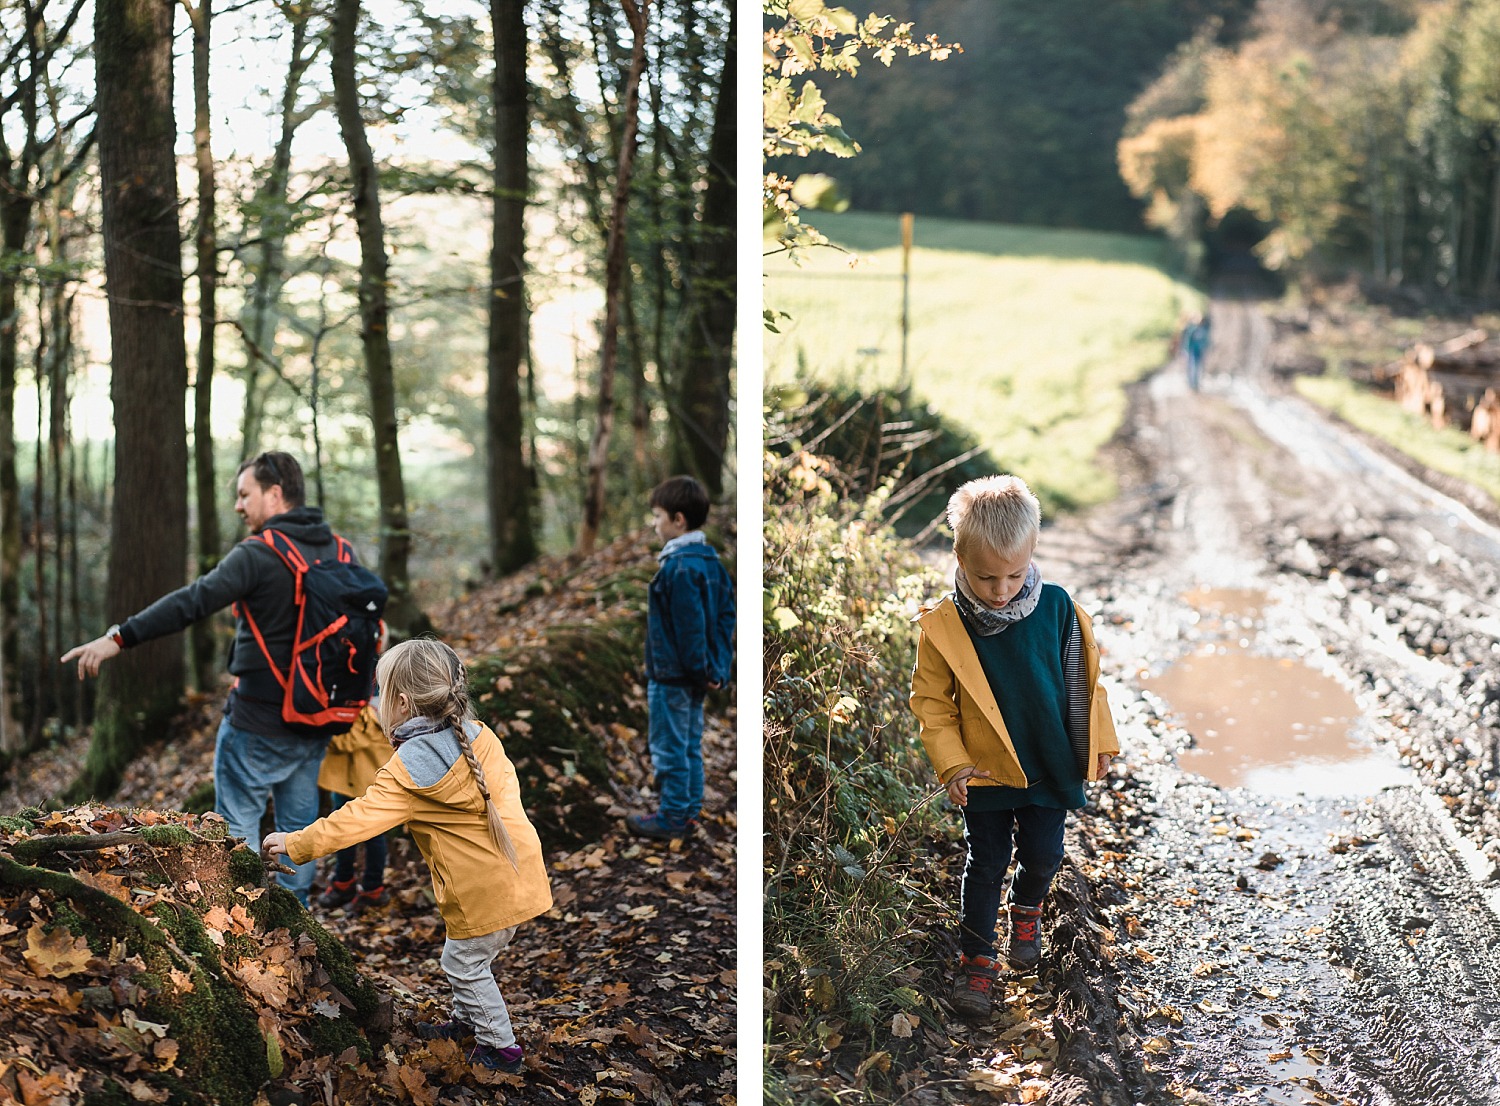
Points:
x=507, y=1060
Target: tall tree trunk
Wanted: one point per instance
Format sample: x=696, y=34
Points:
x=204, y=481
x=15, y=226
x=512, y=536
x=374, y=313
x=637, y=12
x=148, y=384
x=41, y=693
x=700, y=415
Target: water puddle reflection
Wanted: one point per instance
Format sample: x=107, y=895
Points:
x=1271, y=725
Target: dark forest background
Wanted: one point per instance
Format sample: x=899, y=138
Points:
x=1021, y=127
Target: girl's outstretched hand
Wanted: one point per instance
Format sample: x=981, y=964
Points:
x=273, y=846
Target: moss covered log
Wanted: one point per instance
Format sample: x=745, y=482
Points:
x=166, y=968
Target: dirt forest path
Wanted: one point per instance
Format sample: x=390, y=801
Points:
x=1267, y=585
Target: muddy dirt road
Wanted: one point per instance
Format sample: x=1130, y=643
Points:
x=1305, y=857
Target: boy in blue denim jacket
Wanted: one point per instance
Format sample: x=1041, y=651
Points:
x=689, y=649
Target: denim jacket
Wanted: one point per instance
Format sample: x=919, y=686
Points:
x=690, y=619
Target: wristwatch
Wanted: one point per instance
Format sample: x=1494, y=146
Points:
x=113, y=633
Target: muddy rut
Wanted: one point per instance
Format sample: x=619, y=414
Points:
x=1300, y=860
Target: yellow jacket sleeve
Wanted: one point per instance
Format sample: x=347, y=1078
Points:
x=384, y=806
x=934, y=700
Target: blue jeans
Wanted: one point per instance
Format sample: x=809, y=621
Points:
x=375, y=854
x=1038, y=834
x=676, y=740
x=249, y=769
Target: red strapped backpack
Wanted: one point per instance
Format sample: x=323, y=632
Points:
x=339, y=607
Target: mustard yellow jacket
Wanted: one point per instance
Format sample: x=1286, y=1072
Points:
x=354, y=757
x=477, y=890
x=960, y=722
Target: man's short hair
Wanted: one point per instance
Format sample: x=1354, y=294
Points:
x=998, y=513
x=276, y=468
x=682, y=495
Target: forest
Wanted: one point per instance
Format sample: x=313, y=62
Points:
x=1361, y=137
x=1357, y=136
x=471, y=264
x=1020, y=127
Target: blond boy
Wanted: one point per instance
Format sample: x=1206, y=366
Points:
x=1007, y=697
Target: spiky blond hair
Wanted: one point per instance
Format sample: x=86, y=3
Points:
x=997, y=513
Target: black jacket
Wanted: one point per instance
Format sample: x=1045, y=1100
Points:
x=256, y=578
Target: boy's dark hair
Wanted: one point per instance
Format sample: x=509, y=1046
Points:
x=277, y=468
x=682, y=495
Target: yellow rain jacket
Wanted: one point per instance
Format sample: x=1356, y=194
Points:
x=429, y=786
x=960, y=722
x=355, y=756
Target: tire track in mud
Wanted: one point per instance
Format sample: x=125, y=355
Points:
x=1420, y=949
x=1294, y=950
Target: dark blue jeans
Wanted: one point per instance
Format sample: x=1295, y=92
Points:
x=1038, y=839
x=375, y=855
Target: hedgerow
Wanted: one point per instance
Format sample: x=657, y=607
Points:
x=851, y=812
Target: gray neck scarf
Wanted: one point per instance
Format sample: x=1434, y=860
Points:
x=414, y=727
x=987, y=620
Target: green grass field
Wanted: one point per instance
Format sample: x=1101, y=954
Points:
x=1448, y=451
x=1024, y=336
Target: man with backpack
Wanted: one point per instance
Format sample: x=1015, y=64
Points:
x=307, y=621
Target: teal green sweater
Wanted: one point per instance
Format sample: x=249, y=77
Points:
x=1023, y=664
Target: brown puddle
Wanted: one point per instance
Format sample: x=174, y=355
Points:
x=1271, y=725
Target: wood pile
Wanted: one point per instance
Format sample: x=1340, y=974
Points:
x=1485, y=425
x=1454, y=383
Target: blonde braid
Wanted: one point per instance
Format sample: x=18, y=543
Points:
x=498, y=833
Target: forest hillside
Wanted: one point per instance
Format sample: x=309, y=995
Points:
x=618, y=989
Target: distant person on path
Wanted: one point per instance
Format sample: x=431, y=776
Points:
x=258, y=755
x=454, y=788
x=689, y=649
x=349, y=768
x=1012, y=716
x=1195, y=342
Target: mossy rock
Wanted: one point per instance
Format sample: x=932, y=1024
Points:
x=571, y=714
x=167, y=969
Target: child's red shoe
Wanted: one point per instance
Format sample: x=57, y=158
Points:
x=377, y=896
x=972, y=990
x=339, y=892
x=1025, y=941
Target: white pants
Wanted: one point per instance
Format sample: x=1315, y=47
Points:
x=476, y=995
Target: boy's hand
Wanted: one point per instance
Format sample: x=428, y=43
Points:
x=1104, y=759
x=273, y=846
x=958, y=786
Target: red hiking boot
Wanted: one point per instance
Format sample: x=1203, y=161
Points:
x=971, y=990
x=1025, y=941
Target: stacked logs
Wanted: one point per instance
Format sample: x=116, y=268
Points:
x=1455, y=383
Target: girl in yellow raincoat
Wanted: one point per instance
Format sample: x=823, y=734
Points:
x=453, y=786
